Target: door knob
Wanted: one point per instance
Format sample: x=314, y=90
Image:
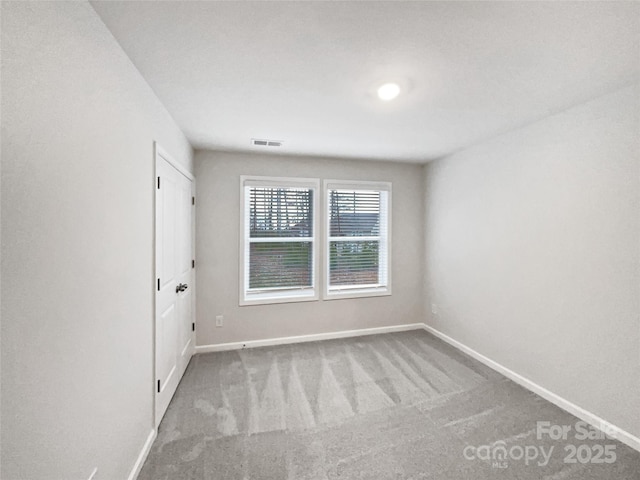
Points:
x=182, y=287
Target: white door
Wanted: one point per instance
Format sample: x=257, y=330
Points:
x=174, y=325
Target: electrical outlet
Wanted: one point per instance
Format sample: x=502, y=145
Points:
x=218, y=320
x=434, y=308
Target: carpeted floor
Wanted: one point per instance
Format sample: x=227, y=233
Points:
x=394, y=406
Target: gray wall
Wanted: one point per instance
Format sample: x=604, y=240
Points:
x=78, y=125
x=533, y=253
x=217, y=246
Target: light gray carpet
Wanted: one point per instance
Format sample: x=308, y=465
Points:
x=395, y=406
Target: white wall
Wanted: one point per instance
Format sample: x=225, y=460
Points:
x=217, y=247
x=78, y=125
x=533, y=253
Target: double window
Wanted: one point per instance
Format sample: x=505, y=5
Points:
x=280, y=231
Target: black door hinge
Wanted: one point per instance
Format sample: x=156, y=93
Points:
x=158, y=284
x=158, y=182
x=193, y=327
x=158, y=386
x=193, y=264
x=193, y=200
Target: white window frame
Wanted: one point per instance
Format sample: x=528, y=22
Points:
x=356, y=291
x=284, y=295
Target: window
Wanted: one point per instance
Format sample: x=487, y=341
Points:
x=358, y=239
x=278, y=232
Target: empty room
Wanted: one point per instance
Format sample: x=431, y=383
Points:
x=320, y=240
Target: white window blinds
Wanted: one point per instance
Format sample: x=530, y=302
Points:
x=279, y=239
x=357, y=238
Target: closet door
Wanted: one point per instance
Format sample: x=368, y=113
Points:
x=174, y=323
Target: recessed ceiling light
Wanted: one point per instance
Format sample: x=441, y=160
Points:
x=388, y=91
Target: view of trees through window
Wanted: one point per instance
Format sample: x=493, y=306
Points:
x=280, y=234
x=354, y=241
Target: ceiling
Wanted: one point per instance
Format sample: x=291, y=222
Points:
x=305, y=73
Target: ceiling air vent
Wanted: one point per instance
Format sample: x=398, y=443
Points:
x=266, y=143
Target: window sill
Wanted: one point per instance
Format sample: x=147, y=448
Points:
x=357, y=293
x=270, y=297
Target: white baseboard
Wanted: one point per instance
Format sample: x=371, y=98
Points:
x=146, y=448
x=221, y=347
x=594, y=420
